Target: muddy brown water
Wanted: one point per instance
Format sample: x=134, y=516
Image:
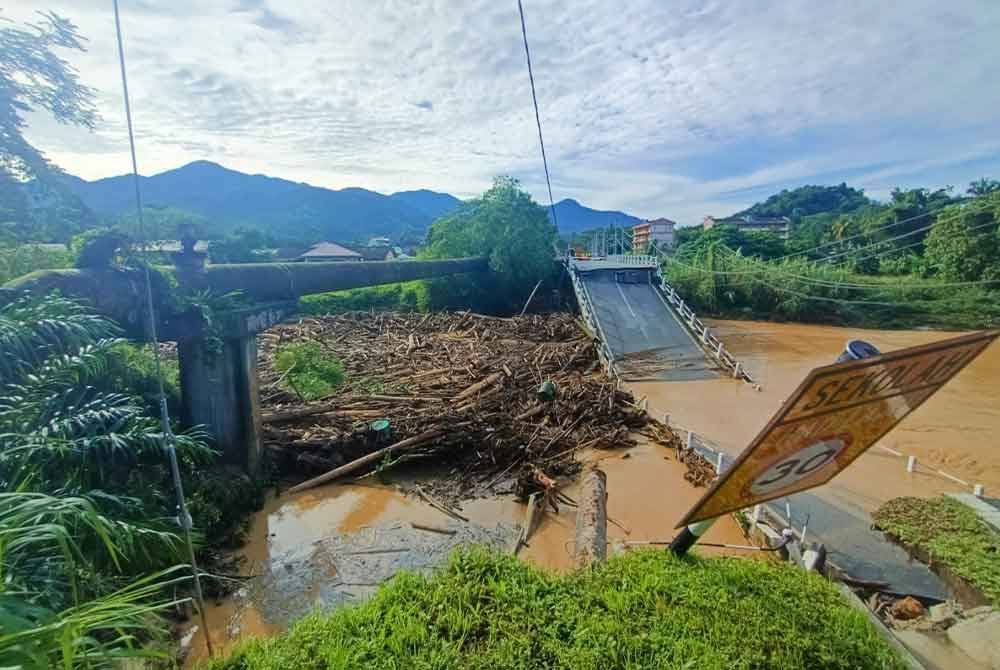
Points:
x=954, y=431
x=332, y=545
x=318, y=549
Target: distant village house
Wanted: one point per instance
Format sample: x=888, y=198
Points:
x=329, y=251
x=779, y=225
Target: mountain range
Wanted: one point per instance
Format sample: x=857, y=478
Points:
x=293, y=210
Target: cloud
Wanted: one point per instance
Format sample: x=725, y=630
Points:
x=676, y=109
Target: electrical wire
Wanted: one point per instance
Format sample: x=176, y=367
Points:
x=538, y=119
x=862, y=286
x=168, y=434
x=988, y=198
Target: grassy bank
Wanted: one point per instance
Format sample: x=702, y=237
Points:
x=719, y=282
x=951, y=533
x=644, y=610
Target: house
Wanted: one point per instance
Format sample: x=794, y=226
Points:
x=376, y=253
x=329, y=251
x=779, y=225
x=660, y=231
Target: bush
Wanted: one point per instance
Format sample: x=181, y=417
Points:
x=644, y=610
x=408, y=296
x=309, y=370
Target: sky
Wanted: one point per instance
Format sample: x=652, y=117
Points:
x=678, y=109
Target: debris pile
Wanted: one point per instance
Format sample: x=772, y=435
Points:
x=495, y=400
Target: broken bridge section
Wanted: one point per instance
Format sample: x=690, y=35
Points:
x=643, y=336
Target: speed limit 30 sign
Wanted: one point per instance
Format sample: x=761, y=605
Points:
x=833, y=417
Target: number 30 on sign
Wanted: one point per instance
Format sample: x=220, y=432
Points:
x=835, y=415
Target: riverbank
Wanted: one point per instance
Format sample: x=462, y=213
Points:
x=646, y=609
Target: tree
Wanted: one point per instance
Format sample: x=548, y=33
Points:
x=508, y=227
x=757, y=244
x=982, y=187
x=32, y=78
x=240, y=246
x=964, y=245
x=808, y=200
x=35, y=203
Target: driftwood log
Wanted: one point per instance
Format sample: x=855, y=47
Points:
x=591, y=539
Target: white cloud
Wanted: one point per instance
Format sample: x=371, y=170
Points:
x=398, y=94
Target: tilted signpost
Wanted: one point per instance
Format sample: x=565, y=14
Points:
x=836, y=414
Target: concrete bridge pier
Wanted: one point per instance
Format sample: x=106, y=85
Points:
x=219, y=391
x=219, y=387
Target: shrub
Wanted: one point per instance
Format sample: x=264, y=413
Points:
x=309, y=370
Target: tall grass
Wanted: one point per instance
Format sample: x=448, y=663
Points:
x=721, y=282
x=644, y=610
x=81, y=557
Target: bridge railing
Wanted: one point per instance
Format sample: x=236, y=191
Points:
x=590, y=318
x=703, y=334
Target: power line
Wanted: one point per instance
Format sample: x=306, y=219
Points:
x=538, y=119
x=883, y=227
x=168, y=434
x=767, y=269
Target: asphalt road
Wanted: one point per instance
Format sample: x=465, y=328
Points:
x=647, y=340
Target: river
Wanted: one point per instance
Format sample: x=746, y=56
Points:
x=955, y=431
x=333, y=544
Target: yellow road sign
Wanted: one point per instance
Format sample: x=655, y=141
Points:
x=833, y=417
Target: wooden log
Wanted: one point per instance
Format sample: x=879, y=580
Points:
x=530, y=514
x=478, y=386
x=591, y=539
x=283, y=415
x=527, y=414
x=347, y=468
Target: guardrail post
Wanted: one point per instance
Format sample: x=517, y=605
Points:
x=704, y=335
x=911, y=464
x=718, y=351
x=690, y=440
x=737, y=370
x=718, y=464
x=979, y=491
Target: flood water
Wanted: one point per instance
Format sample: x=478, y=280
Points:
x=954, y=431
x=332, y=545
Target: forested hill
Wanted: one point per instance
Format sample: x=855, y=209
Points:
x=809, y=200
x=227, y=198
x=222, y=199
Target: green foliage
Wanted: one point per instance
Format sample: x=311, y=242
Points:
x=757, y=244
x=720, y=281
x=36, y=203
x=20, y=259
x=73, y=527
x=243, y=245
x=951, y=533
x=964, y=245
x=409, y=296
x=808, y=200
x=513, y=231
x=159, y=222
x=643, y=610
x=133, y=367
x=309, y=370
x=220, y=500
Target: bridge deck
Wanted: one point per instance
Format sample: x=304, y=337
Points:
x=644, y=335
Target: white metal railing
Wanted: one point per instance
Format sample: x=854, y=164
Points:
x=703, y=335
x=590, y=318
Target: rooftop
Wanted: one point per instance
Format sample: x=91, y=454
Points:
x=330, y=250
